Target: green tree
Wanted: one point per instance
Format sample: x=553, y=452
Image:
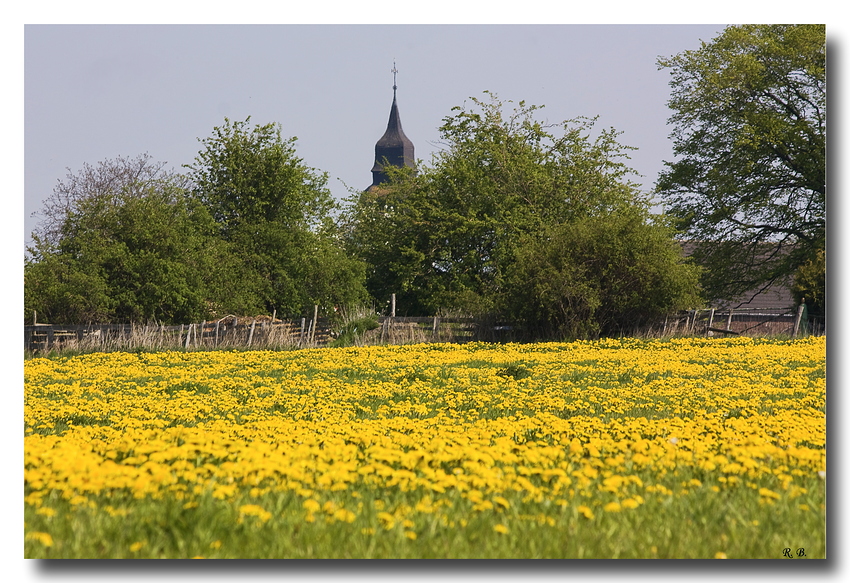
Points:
x=610, y=274
x=277, y=213
x=810, y=285
x=458, y=235
x=748, y=184
x=122, y=241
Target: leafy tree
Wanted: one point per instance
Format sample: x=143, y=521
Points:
x=622, y=271
x=458, y=236
x=276, y=212
x=810, y=285
x=122, y=241
x=251, y=175
x=748, y=184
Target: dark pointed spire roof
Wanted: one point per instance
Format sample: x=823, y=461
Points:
x=394, y=147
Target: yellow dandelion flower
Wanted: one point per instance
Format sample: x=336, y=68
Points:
x=410, y=534
x=42, y=537
x=720, y=555
x=136, y=546
x=501, y=529
x=255, y=510
x=387, y=519
x=216, y=544
x=764, y=492
x=475, y=496
x=344, y=515
x=586, y=512
x=502, y=502
x=612, y=507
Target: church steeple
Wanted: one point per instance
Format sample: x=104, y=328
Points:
x=394, y=148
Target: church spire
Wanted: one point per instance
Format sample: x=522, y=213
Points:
x=394, y=148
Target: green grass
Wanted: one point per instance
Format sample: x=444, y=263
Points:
x=734, y=522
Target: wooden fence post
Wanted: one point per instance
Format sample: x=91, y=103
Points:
x=392, y=308
x=729, y=320
x=315, y=321
x=710, y=323
x=800, y=309
x=251, y=333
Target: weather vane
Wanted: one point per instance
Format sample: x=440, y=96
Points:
x=394, y=71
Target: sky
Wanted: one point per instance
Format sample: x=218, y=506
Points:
x=97, y=92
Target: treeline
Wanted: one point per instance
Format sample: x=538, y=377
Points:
x=247, y=229
x=515, y=220
x=535, y=225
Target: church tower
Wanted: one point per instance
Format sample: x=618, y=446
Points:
x=394, y=148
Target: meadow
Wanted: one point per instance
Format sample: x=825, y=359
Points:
x=619, y=448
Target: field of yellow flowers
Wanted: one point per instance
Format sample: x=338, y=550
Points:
x=686, y=448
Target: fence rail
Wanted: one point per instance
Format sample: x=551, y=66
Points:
x=744, y=322
x=258, y=333
x=264, y=332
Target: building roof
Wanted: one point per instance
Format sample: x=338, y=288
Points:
x=776, y=297
x=393, y=148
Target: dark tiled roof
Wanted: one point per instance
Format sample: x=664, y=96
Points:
x=776, y=297
x=394, y=147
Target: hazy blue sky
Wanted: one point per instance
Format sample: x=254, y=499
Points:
x=101, y=91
